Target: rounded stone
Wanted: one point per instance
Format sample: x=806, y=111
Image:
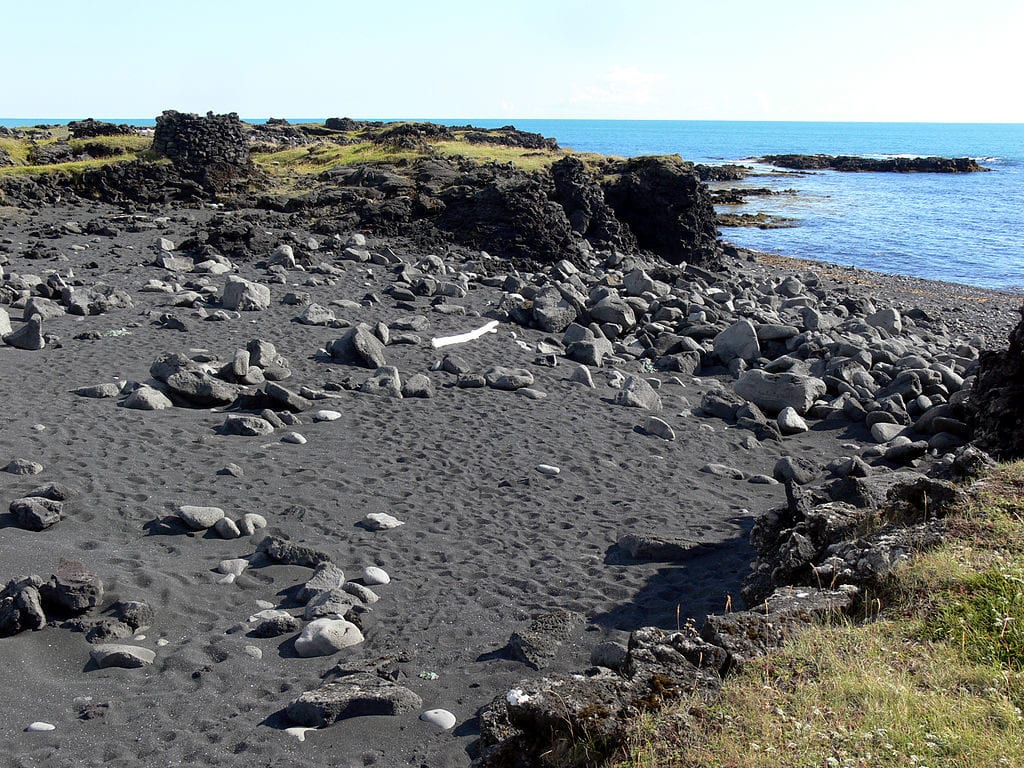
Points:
x=200, y=518
x=372, y=575
x=323, y=637
x=442, y=718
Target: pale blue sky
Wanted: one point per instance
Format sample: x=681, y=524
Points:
x=884, y=60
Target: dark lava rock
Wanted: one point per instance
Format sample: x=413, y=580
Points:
x=997, y=400
x=287, y=552
x=537, y=644
x=72, y=590
x=211, y=150
x=667, y=207
x=354, y=695
x=860, y=164
x=588, y=213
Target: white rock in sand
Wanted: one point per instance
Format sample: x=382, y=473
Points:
x=372, y=575
x=250, y=523
x=234, y=566
x=326, y=415
x=40, y=727
x=790, y=422
x=200, y=518
x=294, y=438
x=548, y=469
x=323, y=637
x=381, y=521
x=442, y=718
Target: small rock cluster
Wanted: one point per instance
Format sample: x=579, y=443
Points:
x=66, y=598
x=46, y=299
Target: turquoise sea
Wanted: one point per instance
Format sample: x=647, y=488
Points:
x=962, y=228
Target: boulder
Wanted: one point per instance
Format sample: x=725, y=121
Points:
x=359, y=346
x=323, y=637
x=37, y=514
x=777, y=391
x=28, y=337
x=242, y=295
x=737, y=342
x=637, y=392
x=354, y=695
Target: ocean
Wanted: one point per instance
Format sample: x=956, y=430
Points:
x=965, y=228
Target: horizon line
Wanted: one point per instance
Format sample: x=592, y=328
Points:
x=305, y=119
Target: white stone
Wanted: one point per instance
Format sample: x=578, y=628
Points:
x=372, y=575
x=790, y=422
x=548, y=469
x=323, y=637
x=381, y=521
x=326, y=415
x=442, y=718
x=40, y=727
x=234, y=566
x=658, y=428
x=294, y=438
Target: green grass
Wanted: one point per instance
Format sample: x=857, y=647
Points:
x=123, y=145
x=73, y=167
x=936, y=680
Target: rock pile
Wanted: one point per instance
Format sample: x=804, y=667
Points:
x=212, y=150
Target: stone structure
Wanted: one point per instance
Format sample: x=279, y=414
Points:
x=211, y=150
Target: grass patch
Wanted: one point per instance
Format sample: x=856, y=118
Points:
x=936, y=680
x=121, y=145
x=74, y=167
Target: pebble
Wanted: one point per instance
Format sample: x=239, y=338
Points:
x=294, y=438
x=372, y=575
x=548, y=469
x=40, y=727
x=234, y=566
x=442, y=718
x=298, y=732
x=252, y=650
x=163, y=642
x=326, y=415
x=381, y=521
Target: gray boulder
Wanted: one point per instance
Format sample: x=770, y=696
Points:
x=509, y=379
x=354, y=695
x=777, y=391
x=28, y=337
x=737, y=342
x=359, y=346
x=36, y=514
x=242, y=295
x=637, y=392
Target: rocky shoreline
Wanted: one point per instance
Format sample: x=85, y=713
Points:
x=459, y=429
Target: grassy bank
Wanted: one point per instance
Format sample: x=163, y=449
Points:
x=934, y=675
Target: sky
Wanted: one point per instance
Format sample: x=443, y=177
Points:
x=830, y=60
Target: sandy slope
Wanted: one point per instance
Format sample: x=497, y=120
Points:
x=488, y=542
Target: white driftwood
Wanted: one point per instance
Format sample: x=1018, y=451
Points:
x=444, y=341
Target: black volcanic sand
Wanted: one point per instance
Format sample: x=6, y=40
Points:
x=489, y=542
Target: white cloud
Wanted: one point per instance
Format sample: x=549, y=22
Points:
x=617, y=88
